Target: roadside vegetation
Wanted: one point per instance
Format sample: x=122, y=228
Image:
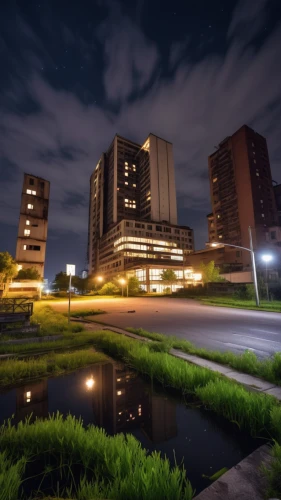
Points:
x=14, y=371
x=273, y=306
x=268, y=369
x=87, y=463
x=82, y=313
x=52, y=322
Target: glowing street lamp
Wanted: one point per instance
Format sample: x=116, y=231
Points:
x=251, y=250
x=266, y=259
x=100, y=279
x=122, y=283
x=90, y=383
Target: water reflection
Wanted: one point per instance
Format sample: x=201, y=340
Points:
x=113, y=397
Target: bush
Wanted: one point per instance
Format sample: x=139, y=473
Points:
x=109, y=289
x=167, y=290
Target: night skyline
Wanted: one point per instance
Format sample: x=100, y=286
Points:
x=75, y=75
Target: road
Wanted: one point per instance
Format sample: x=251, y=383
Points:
x=216, y=328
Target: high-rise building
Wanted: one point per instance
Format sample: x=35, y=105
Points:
x=277, y=194
x=241, y=191
x=133, y=209
x=33, y=223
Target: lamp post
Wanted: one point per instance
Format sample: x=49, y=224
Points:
x=70, y=271
x=122, y=283
x=251, y=250
x=266, y=258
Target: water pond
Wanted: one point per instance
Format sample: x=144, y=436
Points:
x=114, y=397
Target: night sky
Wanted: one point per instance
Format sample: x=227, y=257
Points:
x=74, y=73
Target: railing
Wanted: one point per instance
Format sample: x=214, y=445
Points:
x=13, y=306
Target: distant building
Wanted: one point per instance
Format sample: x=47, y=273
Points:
x=133, y=209
x=33, y=223
x=241, y=191
x=277, y=194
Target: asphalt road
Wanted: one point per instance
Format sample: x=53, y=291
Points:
x=216, y=328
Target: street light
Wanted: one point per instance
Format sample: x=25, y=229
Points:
x=100, y=279
x=266, y=258
x=251, y=250
x=90, y=383
x=122, y=283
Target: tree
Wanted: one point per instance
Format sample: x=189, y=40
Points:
x=61, y=282
x=8, y=267
x=169, y=277
x=133, y=285
x=29, y=273
x=210, y=273
x=81, y=284
x=109, y=289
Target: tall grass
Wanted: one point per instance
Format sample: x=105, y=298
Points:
x=52, y=322
x=10, y=476
x=273, y=474
x=248, y=362
x=12, y=371
x=86, y=312
x=273, y=306
x=110, y=467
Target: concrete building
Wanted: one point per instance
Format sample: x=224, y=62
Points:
x=241, y=191
x=33, y=223
x=277, y=194
x=133, y=209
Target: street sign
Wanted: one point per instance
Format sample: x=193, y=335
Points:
x=70, y=269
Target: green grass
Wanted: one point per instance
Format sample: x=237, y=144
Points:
x=268, y=369
x=86, y=312
x=52, y=322
x=274, y=306
x=13, y=371
x=273, y=474
x=110, y=467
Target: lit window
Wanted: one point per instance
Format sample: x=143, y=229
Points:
x=28, y=396
x=119, y=393
x=257, y=174
x=220, y=236
x=126, y=167
x=126, y=200
x=255, y=161
x=119, y=380
x=262, y=215
x=126, y=163
x=134, y=168
x=218, y=216
x=30, y=206
x=27, y=222
x=126, y=174
x=148, y=198
x=24, y=247
x=29, y=191
x=215, y=179
x=134, y=185
x=27, y=232
x=126, y=183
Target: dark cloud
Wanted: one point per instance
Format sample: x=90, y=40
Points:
x=61, y=138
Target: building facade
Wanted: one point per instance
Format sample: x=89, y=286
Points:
x=133, y=209
x=33, y=223
x=241, y=191
x=277, y=194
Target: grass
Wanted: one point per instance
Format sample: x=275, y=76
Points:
x=52, y=322
x=82, y=313
x=92, y=464
x=11, y=473
x=14, y=371
x=274, y=306
x=273, y=474
x=248, y=362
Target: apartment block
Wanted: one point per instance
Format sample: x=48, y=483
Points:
x=133, y=209
x=241, y=191
x=33, y=223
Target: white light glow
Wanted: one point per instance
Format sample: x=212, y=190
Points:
x=266, y=258
x=90, y=383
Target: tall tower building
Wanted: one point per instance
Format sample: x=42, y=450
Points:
x=241, y=190
x=33, y=223
x=133, y=209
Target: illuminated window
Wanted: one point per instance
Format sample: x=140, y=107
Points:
x=126, y=183
x=24, y=247
x=126, y=167
x=119, y=380
x=134, y=185
x=30, y=206
x=134, y=168
x=27, y=222
x=215, y=179
x=220, y=236
x=126, y=163
x=29, y=191
x=255, y=161
x=126, y=174
x=218, y=216
x=119, y=393
x=28, y=396
x=126, y=200
x=262, y=215
x=148, y=198
x=27, y=232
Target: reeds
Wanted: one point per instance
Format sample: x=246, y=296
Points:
x=110, y=467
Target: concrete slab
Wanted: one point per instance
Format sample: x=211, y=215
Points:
x=211, y=365
x=244, y=481
x=275, y=391
x=250, y=380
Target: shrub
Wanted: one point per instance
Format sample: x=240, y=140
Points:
x=109, y=289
